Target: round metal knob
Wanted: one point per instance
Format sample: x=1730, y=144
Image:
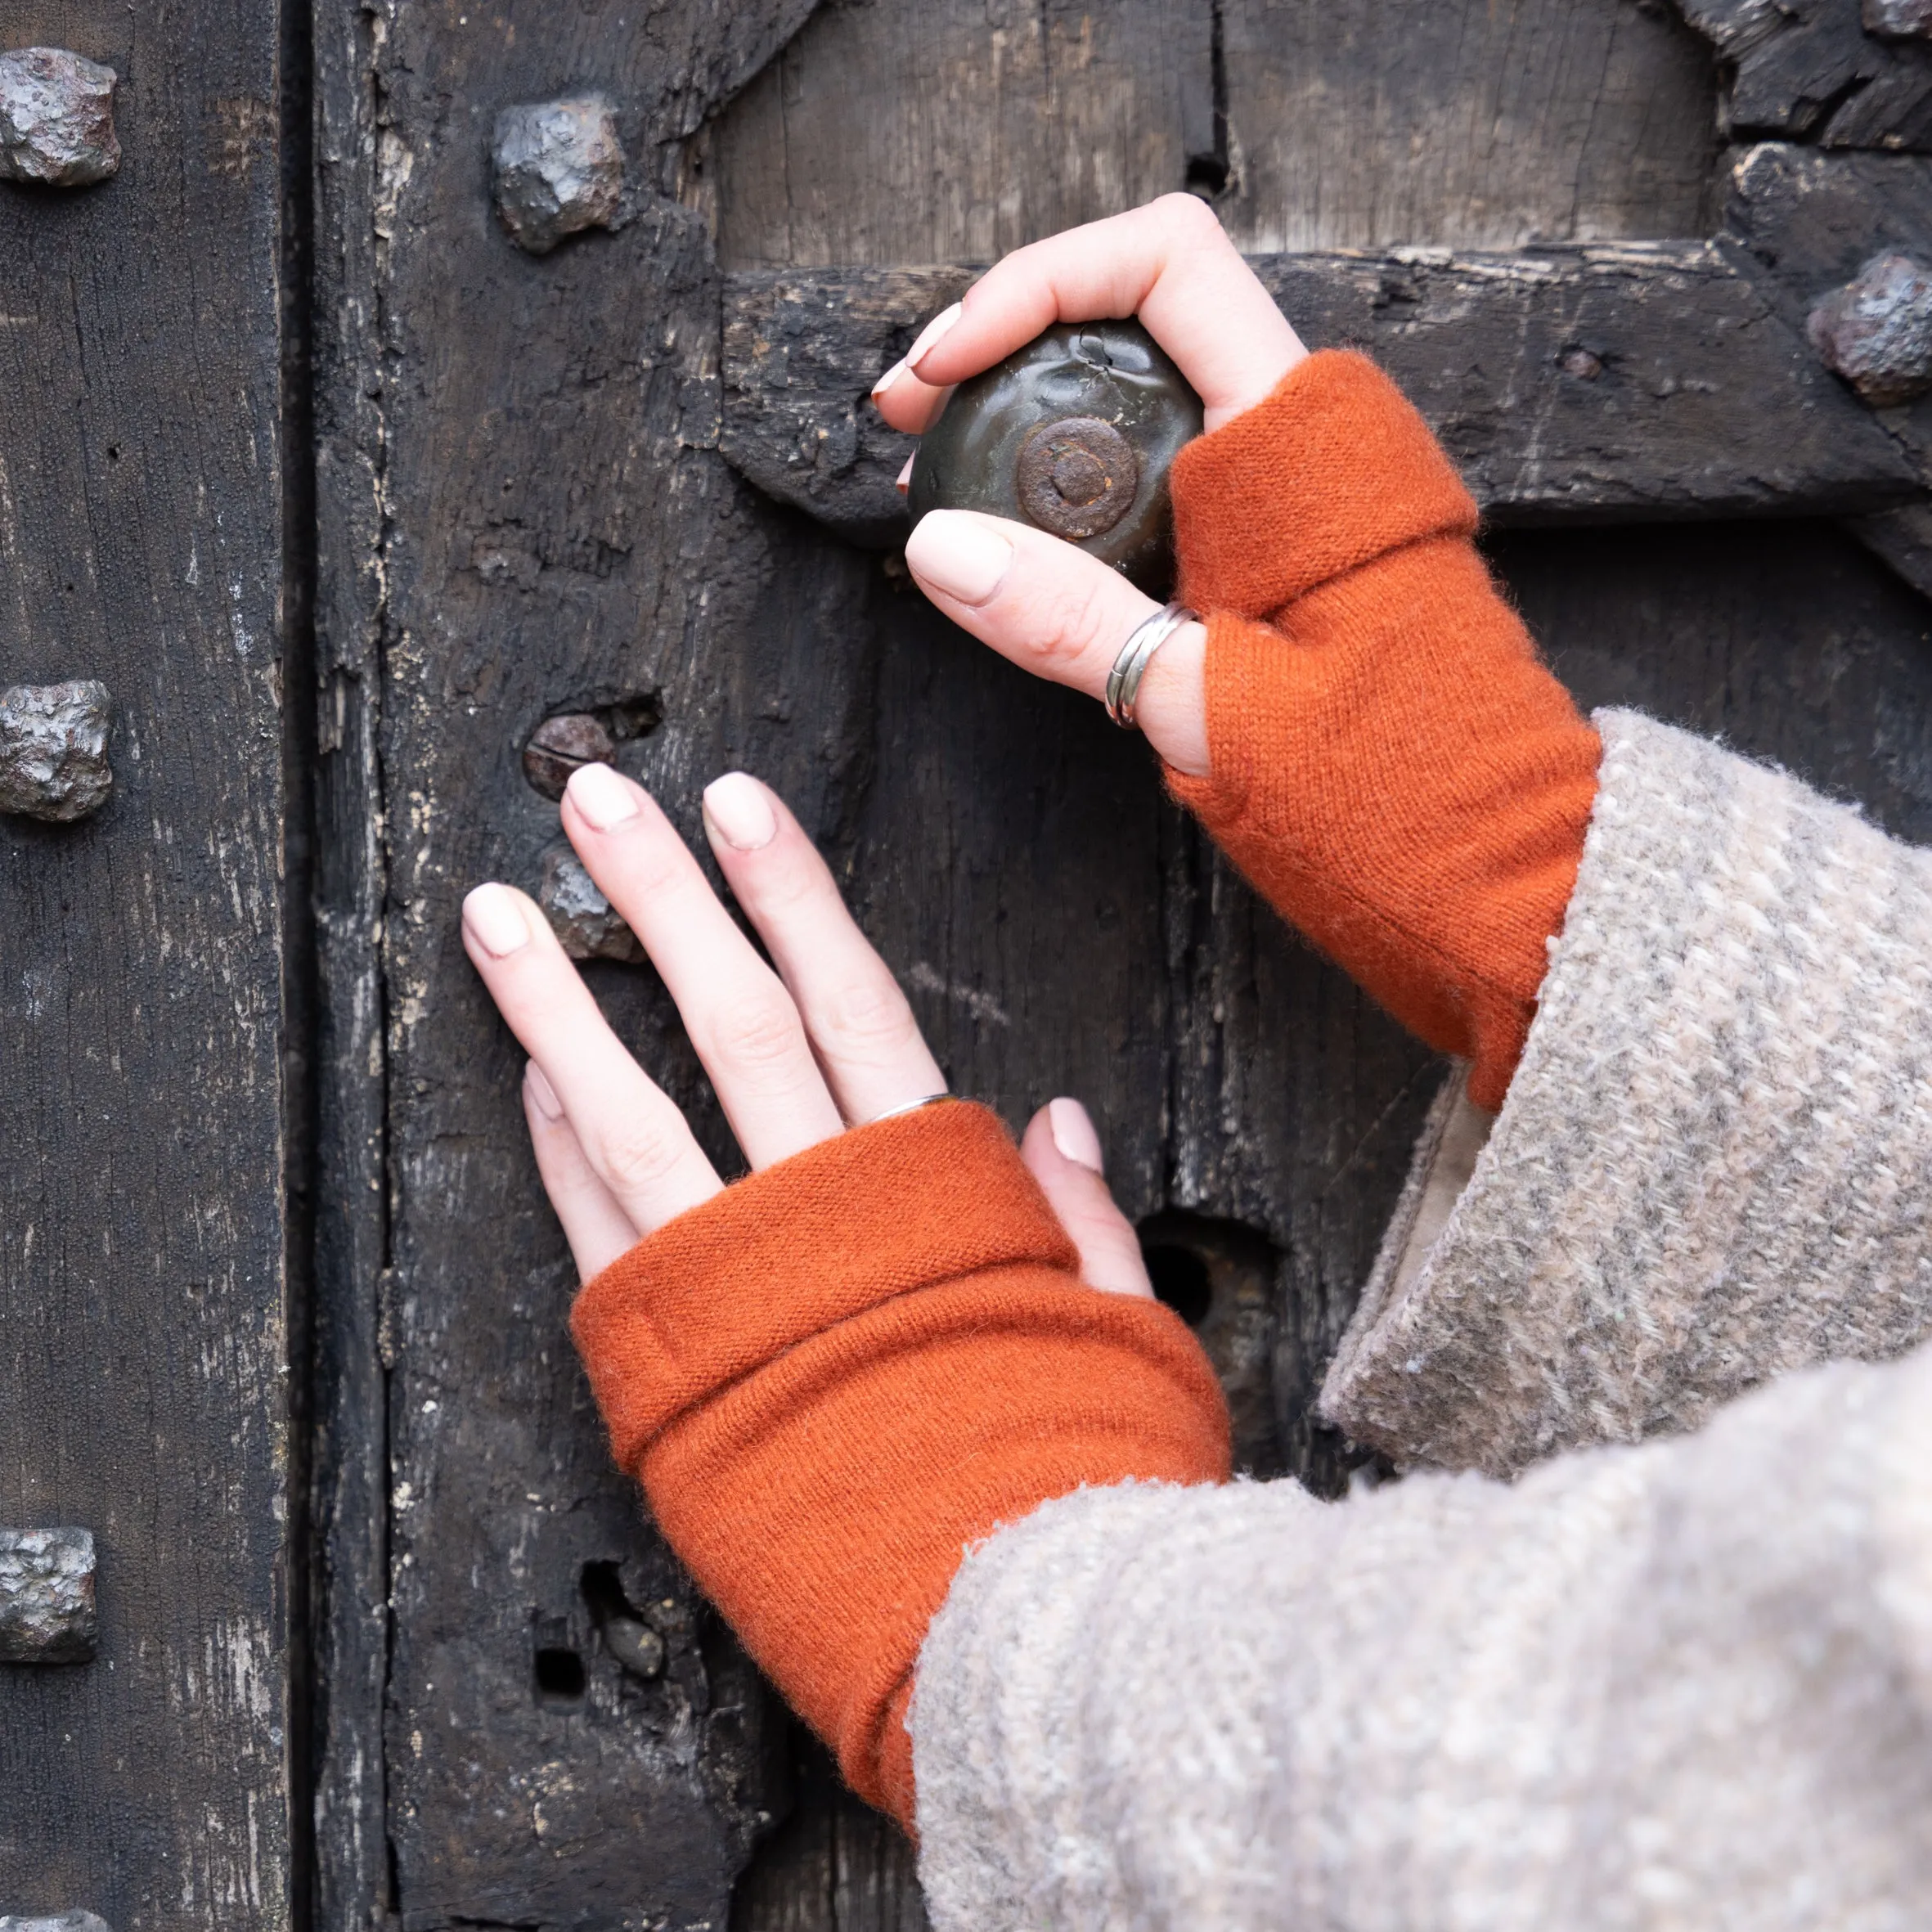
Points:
x=1076, y=433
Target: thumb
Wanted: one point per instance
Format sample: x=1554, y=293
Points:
x=1062, y=1151
x=1062, y=615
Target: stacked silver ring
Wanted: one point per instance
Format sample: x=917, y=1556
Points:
x=1123, y=681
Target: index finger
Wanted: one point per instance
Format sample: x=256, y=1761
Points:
x=1171, y=262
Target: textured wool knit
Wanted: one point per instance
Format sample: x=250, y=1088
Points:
x=1715, y=1161
x=835, y=1375
x=1392, y=765
x=1680, y=1687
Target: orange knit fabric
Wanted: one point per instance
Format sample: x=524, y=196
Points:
x=1392, y=765
x=835, y=1375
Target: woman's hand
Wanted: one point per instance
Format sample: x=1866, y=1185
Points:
x=795, y=1055
x=1041, y=602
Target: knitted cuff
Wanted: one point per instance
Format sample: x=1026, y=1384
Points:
x=1333, y=469
x=837, y=1375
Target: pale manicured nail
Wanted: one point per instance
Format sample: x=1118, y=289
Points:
x=494, y=916
x=904, y=481
x=1074, y=1134
x=740, y=811
x=602, y=796
x=929, y=336
x=891, y=376
x=959, y=552
x=542, y=1093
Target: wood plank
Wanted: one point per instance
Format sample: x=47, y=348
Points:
x=524, y=514
x=890, y=131
x=143, y=1370
x=1634, y=380
x=1375, y=124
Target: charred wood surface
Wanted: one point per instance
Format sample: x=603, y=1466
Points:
x=1810, y=70
x=142, y=1365
x=1632, y=381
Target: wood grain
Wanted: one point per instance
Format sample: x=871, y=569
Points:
x=893, y=134
x=142, y=1369
x=526, y=514
x=1368, y=124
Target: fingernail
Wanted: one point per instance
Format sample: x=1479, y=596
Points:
x=891, y=376
x=542, y=1093
x=602, y=796
x=494, y=917
x=959, y=554
x=904, y=480
x=929, y=336
x=1074, y=1134
x=739, y=811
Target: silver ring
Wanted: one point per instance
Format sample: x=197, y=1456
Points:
x=1123, y=681
x=892, y=1113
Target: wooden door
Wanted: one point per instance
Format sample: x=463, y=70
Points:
x=144, y=1365
x=343, y=493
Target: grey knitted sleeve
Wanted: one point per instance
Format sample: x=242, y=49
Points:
x=1686, y=1685
x=1713, y=1163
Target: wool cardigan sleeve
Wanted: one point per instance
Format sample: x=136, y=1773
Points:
x=1680, y=1683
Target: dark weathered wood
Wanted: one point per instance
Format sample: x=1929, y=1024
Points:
x=347, y=1377
x=141, y=1363
x=1811, y=221
x=525, y=515
x=1807, y=70
x=891, y=132
x=894, y=134
x=1372, y=124
x=1634, y=380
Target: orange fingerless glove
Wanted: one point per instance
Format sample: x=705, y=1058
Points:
x=1392, y=765
x=835, y=1375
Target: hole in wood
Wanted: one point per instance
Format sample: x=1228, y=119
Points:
x=560, y=1677
x=1180, y=1279
x=1218, y=1277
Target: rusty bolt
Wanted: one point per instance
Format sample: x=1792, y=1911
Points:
x=47, y=1596
x=1877, y=332
x=559, y=745
x=1077, y=477
x=53, y=750
x=56, y=118
x=1585, y=365
x=636, y=1645
x=1899, y=20
x=559, y=168
x=580, y=915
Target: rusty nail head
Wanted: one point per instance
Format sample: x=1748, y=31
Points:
x=56, y=118
x=1077, y=477
x=53, y=750
x=1876, y=331
x=1585, y=365
x=560, y=745
x=47, y=1596
x=559, y=168
x=636, y=1645
x=586, y=925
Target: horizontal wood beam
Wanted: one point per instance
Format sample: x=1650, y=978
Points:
x=1628, y=382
